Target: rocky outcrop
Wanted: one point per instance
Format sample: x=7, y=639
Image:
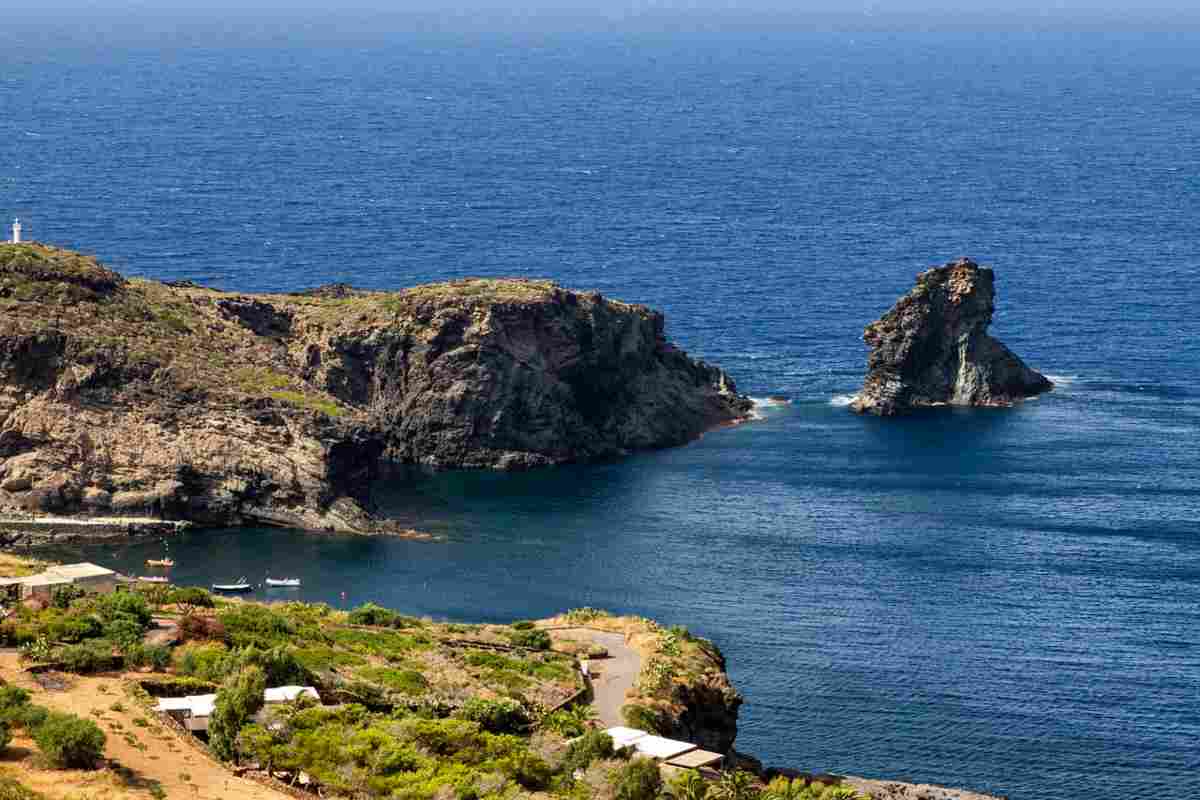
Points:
x=135, y=398
x=933, y=348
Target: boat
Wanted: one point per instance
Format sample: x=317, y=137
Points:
x=159, y=562
x=287, y=582
x=152, y=579
x=239, y=586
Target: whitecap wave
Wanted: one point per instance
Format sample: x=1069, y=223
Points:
x=1062, y=381
x=842, y=400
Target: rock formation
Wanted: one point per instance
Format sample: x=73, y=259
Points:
x=135, y=397
x=933, y=348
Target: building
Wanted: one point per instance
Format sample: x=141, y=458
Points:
x=16, y=232
x=193, y=712
x=89, y=577
x=670, y=752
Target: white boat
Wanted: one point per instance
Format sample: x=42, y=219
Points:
x=292, y=582
x=239, y=586
x=152, y=579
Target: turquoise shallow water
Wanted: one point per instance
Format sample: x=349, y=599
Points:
x=1006, y=600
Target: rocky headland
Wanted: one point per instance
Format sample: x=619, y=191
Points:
x=932, y=348
x=134, y=398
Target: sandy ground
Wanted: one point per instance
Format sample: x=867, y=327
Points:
x=145, y=752
x=612, y=677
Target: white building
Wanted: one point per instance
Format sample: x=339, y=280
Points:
x=16, y=232
x=665, y=751
x=194, y=711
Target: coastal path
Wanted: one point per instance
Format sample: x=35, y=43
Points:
x=611, y=677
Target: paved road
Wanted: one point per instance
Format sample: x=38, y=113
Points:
x=612, y=677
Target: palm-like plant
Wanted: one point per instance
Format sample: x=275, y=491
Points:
x=734, y=784
x=688, y=786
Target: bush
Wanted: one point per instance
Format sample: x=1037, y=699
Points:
x=13, y=702
x=193, y=627
x=640, y=779
x=69, y=741
x=592, y=746
x=151, y=655
x=378, y=616
x=533, y=639
x=503, y=715
x=5, y=735
x=190, y=598
x=528, y=770
x=522, y=625
x=643, y=718
x=122, y=604
x=251, y=624
x=237, y=701
x=91, y=656
x=12, y=789
x=32, y=716
x=63, y=596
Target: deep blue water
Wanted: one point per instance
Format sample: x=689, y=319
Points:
x=1005, y=600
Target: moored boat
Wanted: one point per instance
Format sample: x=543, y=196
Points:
x=159, y=562
x=282, y=582
x=152, y=579
x=239, y=586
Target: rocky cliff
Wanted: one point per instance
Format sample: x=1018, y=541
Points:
x=134, y=397
x=932, y=348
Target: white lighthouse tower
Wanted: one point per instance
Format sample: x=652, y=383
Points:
x=16, y=237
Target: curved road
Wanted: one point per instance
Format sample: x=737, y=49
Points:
x=612, y=677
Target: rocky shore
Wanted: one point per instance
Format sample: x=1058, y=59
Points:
x=136, y=398
x=932, y=348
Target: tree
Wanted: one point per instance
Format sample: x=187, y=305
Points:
x=237, y=701
x=640, y=779
x=592, y=746
x=69, y=741
x=190, y=599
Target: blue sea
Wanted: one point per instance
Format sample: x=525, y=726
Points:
x=1005, y=600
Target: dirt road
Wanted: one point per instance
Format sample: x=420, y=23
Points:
x=149, y=754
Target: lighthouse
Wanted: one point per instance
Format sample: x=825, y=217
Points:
x=16, y=237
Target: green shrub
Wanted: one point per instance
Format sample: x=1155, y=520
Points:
x=69, y=741
x=407, y=681
x=734, y=784
x=75, y=628
x=592, y=746
x=251, y=624
x=689, y=785
x=122, y=604
x=212, y=662
x=124, y=630
x=639, y=779
x=527, y=769
x=533, y=639
x=95, y=655
x=377, y=615
x=63, y=596
x=31, y=716
x=236, y=702
x=13, y=703
x=503, y=715
x=12, y=789
x=643, y=718
x=191, y=598
x=522, y=625
x=5, y=735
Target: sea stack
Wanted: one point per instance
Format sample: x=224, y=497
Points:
x=932, y=348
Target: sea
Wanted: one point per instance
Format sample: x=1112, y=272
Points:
x=1006, y=600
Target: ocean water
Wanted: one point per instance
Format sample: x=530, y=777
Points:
x=1006, y=600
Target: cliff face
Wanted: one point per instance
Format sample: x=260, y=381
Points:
x=135, y=397
x=932, y=348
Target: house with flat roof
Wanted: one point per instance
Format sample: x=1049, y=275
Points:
x=670, y=752
x=87, y=576
x=193, y=712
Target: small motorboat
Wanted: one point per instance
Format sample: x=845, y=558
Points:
x=283, y=582
x=240, y=586
x=152, y=579
x=159, y=562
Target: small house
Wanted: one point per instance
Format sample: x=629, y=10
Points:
x=193, y=712
x=670, y=752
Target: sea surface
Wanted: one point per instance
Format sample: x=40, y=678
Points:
x=1006, y=600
